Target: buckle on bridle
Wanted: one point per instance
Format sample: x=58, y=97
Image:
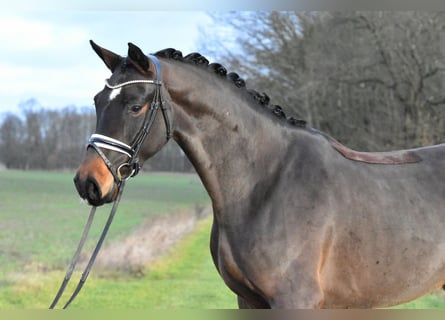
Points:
x=126, y=171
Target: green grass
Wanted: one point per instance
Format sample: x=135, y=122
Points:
x=430, y=301
x=186, y=278
x=41, y=216
x=41, y=219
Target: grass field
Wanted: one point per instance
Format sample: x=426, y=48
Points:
x=41, y=219
x=42, y=216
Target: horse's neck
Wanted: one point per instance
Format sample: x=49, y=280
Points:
x=230, y=144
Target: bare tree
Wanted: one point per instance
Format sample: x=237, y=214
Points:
x=405, y=61
x=372, y=79
x=11, y=142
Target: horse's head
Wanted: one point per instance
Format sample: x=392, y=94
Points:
x=126, y=111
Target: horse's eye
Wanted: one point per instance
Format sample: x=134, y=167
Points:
x=136, y=108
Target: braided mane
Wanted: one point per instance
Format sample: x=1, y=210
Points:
x=261, y=99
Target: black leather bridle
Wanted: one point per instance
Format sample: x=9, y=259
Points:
x=132, y=166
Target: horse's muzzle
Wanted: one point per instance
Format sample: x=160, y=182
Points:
x=94, y=183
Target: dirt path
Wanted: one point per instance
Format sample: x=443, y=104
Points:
x=150, y=241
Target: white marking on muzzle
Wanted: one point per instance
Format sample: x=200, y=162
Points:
x=114, y=93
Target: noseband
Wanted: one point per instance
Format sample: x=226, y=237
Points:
x=132, y=166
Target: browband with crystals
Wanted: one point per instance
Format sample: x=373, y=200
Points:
x=123, y=84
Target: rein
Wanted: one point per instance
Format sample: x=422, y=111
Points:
x=120, y=173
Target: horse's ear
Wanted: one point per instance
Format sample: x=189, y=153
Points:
x=111, y=59
x=138, y=58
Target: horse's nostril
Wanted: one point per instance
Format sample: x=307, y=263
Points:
x=88, y=189
x=80, y=186
x=93, y=191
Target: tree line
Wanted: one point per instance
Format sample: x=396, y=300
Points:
x=56, y=139
x=44, y=139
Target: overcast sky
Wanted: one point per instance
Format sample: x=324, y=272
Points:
x=46, y=54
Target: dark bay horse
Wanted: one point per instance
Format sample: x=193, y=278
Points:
x=300, y=221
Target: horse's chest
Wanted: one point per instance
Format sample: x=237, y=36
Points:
x=229, y=268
